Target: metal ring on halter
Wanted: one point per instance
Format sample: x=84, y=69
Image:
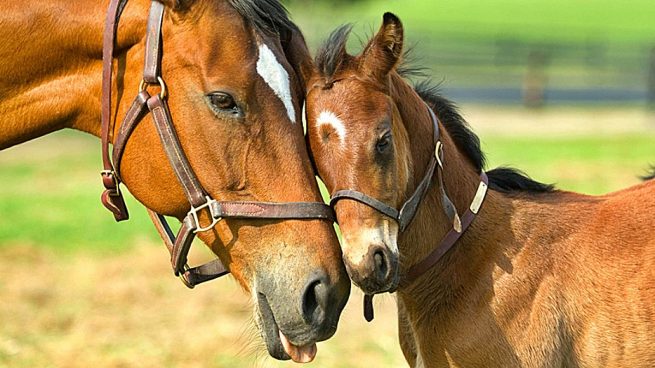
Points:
x=183, y=278
x=162, y=92
x=216, y=218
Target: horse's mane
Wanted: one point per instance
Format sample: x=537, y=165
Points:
x=651, y=175
x=329, y=59
x=266, y=16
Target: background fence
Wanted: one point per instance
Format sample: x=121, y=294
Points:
x=513, y=51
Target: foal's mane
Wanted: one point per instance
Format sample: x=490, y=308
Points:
x=330, y=59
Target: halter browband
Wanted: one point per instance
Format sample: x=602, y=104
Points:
x=408, y=210
x=180, y=244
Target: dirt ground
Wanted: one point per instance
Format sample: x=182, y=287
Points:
x=129, y=311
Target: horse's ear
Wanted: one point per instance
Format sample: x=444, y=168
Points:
x=297, y=53
x=383, y=52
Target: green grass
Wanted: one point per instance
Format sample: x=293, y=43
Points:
x=592, y=165
x=50, y=196
x=50, y=188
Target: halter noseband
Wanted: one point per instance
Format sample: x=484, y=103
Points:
x=198, y=198
x=408, y=210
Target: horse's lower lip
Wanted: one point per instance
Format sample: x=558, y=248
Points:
x=273, y=337
x=271, y=331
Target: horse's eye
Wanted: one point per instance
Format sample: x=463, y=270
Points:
x=222, y=101
x=383, y=143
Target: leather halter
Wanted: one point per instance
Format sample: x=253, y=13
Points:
x=408, y=210
x=180, y=244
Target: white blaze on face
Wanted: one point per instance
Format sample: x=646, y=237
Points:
x=332, y=120
x=276, y=77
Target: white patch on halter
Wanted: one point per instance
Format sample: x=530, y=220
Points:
x=276, y=77
x=329, y=118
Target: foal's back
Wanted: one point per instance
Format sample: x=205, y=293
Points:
x=591, y=263
x=617, y=255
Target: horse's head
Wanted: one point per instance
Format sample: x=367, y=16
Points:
x=358, y=142
x=235, y=75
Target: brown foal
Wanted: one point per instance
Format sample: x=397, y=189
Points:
x=541, y=278
x=235, y=72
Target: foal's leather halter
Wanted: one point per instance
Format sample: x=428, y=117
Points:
x=199, y=199
x=408, y=210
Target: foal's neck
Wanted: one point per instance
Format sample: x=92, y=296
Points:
x=437, y=292
x=51, y=68
x=461, y=178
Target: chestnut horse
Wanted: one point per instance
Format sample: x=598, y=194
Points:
x=235, y=72
x=541, y=278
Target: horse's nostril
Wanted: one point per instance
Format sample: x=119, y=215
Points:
x=314, y=300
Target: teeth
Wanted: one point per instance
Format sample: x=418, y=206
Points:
x=299, y=354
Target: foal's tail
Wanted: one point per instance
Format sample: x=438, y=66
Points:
x=651, y=174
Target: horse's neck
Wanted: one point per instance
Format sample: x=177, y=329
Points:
x=51, y=64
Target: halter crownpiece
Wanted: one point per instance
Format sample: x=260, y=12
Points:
x=408, y=210
x=200, y=201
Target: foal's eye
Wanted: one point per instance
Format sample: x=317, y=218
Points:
x=383, y=143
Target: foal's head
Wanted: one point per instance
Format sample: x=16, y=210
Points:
x=359, y=142
x=235, y=81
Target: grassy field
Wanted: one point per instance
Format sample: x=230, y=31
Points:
x=78, y=290
x=553, y=21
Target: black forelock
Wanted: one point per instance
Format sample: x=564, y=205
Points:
x=267, y=17
x=332, y=51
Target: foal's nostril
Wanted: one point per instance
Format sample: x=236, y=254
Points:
x=381, y=265
x=315, y=299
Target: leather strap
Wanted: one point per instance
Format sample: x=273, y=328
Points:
x=152, y=63
x=189, y=276
x=365, y=199
x=185, y=175
x=111, y=197
x=271, y=210
x=451, y=236
x=135, y=114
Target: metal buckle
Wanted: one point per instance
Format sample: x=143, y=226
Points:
x=162, y=92
x=438, y=153
x=183, y=278
x=115, y=191
x=215, y=217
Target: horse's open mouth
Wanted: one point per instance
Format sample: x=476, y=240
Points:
x=277, y=343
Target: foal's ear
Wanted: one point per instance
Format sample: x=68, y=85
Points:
x=383, y=52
